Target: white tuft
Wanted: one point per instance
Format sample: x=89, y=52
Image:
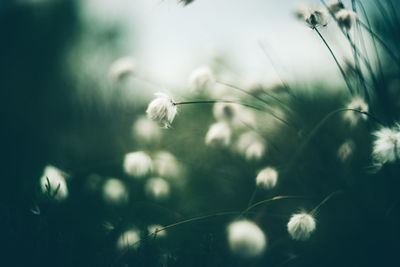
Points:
x=267, y=178
x=166, y=165
x=146, y=130
x=154, y=230
x=386, y=147
x=301, y=226
x=346, y=19
x=353, y=117
x=137, y=164
x=219, y=134
x=58, y=185
x=251, y=146
x=157, y=188
x=115, y=192
x=335, y=6
x=246, y=239
x=121, y=68
x=129, y=240
x=225, y=111
x=201, y=79
x=346, y=150
x=162, y=109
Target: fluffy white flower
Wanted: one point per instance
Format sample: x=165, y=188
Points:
x=157, y=188
x=129, y=240
x=386, y=147
x=346, y=150
x=335, y=6
x=246, y=239
x=201, y=79
x=166, y=165
x=353, y=117
x=251, y=146
x=121, y=68
x=58, y=185
x=345, y=19
x=219, y=134
x=267, y=178
x=114, y=191
x=137, y=164
x=162, y=109
x=154, y=227
x=301, y=226
x=225, y=111
x=146, y=130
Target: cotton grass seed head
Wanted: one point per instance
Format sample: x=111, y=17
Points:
x=157, y=188
x=154, y=230
x=137, y=164
x=251, y=146
x=162, y=109
x=146, y=130
x=316, y=18
x=115, y=192
x=346, y=19
x=267, y=178
x=201, y=79
x=166, y=165
x=386, y=147
x=246, y=239
x=346, y=150
x=53, y=182
x=353, y=117
x=219, y=134
x=121, y=68
x=225, y=111
x=129, y=240
x=301, y=226
x=335, y=6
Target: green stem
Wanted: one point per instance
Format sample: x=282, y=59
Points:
x=312, y=213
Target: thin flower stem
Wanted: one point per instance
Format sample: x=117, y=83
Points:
x=312, y=213
x=337, y=62
x=216, y=101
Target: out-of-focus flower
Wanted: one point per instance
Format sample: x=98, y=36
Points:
x=129, y=240
x=121, y=68
x=251, y=146
x=115, y=192
x=219, y=134
x=166, y=165
x=225, y=111
x=137, y=164
x=313, y=17
x=267, y=178
x=386, y=147
x=146, y=130
x=346, y=150
x=246, y=239
x=345, y=19
x=301, y=226
x=157, y=188
x=353, y=116
x=335, y=6
x=162, y=109
x=201, y=79
x=154, y=230
x=53, y=182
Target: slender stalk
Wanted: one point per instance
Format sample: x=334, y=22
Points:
x=216, y=101
x=336, y=61
x=324, y=201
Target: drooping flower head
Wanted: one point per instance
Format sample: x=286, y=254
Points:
x=154, y=230
x=335, y=6
x=162, y=109
x=353, y=117
x=313, y=17
x=301, y=226
x=345, y=19
x=53, y=182
x=219, y=134
x=386, y=147
x=267, y=178
x=137, y=164
x=129, y=240
x=121, y=68
x=201, y=79
x=251, y=146
x=225, y=111
x=157, y=188
x=246, y=239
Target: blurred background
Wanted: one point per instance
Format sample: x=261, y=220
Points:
x=62, y=105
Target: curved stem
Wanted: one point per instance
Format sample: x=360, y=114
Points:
x=215, y=101
x=324, y=201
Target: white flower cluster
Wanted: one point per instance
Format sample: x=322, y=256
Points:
x=53, y=183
